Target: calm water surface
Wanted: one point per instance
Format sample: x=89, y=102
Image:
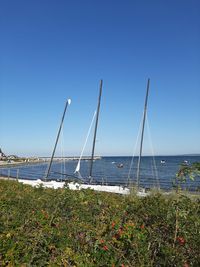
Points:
x=153, y=172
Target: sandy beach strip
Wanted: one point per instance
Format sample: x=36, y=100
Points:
x=7, y=178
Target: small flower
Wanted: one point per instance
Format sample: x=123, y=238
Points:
x=113, y=224
x=105, y=248
x=142, y=226
x=102, y=241
x=181, y=240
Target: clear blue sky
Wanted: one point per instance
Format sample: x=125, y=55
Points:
x=51, y=50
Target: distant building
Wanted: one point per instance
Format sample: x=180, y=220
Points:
x=12, y=157
x=2, y=155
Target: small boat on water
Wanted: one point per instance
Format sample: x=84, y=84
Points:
x=120, y=165
x=185, y=163
x=162, y=161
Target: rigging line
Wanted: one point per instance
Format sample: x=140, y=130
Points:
x=68, y=102
x=46, y=170
x=152, y=151
x=104, y=174
x=142, y=135
x=134, y=151
x=101, y=171
x=62, y=151
x=77, y=170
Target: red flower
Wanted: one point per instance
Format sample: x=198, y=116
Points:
x=186, y=264
x=142, y=226
x=113, y=224
x=105, y=248
x=181, y=240
x=123, y=265
x=102, y=241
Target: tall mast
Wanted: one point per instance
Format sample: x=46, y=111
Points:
x=142, y=136
x=95, y=131
x=68, y=102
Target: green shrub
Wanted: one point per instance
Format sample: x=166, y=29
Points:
x=48, y=227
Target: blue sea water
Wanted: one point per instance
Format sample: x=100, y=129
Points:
x=153, y=173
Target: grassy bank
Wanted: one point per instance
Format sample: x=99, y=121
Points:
x=47, y=227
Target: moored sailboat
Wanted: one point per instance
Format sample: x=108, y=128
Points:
x=76, y=180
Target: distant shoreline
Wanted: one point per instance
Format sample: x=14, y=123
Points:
x=41, y=160
x=13, y=164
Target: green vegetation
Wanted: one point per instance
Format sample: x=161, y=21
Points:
x=186, y=171
x=190, y=171
x=47, y=227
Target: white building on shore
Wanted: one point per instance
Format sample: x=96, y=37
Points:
x=2, y=155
